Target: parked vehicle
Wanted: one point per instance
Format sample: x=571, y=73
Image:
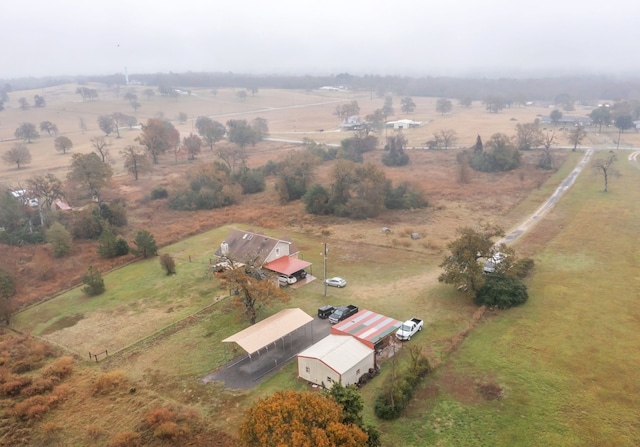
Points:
x=409, y=328
x=342, y=313
x=225, y=264
x=336, y=282
x=300, y=274
x=286, y=280
x=325, y=311
x=492, y=263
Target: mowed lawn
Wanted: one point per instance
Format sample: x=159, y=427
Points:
x=569, y=360
x=139, y=300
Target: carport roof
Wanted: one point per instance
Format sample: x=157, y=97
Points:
x=287, y=265
x=270, y=329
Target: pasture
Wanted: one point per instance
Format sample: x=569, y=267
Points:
x=565, y=363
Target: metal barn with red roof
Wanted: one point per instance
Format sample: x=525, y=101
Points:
x=370, y=328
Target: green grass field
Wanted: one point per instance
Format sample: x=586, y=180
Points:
x=568, y=359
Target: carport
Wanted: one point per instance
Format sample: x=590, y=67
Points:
x=268, y=344
x=287, y=265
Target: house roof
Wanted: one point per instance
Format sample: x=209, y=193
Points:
x=252, y=248
x=270, y=329
x=287, y=265
x=367, y=326
x=61, y=205
x=338, y=352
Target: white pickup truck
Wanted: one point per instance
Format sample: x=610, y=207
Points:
x=409, y=328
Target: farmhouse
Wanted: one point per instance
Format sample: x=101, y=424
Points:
x=404, y=124
x=353, y=123
x=370, y=328
x=335, y=358
x=569, y=120
x=258, y=250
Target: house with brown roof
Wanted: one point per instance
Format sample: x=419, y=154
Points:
x=258, y=250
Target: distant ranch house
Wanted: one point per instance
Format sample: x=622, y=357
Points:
x=353, y=123
x=569, y=121
x=259, y=251
x=404, y=124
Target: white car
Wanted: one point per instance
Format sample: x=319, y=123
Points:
x=335, y=282
x=286, y=280
x=491, y=263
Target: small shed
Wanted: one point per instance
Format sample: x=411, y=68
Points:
x=368, y=327
x=335, y=358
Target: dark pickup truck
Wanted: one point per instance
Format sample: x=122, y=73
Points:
x=342, y=313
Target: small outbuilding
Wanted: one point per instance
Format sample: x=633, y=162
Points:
x=335, y=358
x=369, y=328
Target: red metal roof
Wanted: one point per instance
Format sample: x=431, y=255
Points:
x=287, y=265
x=368, y=327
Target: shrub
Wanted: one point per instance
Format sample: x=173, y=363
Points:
x=61, y=368
x=395, y=158
x=159, y=193
x=145, y=243
x=502, y=292
x=34, y=407
x=94, y=282
x=395, y=395
x=125, y=439
x=115, y=213
x=251, y=180
x=522, y=267
x=404, y=196
x=316, y=200
x=40, y=386
x=111, y=246
x=60, y=240
x=168, y=264
x=158, y=416
x=109, y=382
x=84, y=225
x=94, y=431
x=7, y=285
x=15, y=386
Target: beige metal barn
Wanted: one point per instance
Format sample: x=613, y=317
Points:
x=335, y=358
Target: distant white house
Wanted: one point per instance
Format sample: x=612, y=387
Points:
x=568, y=120
x=335, y=358
x=353, y=123
x=404, y=124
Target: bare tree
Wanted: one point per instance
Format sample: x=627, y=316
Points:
x=18, y=154
x=136, y=160
x=546, y=160
x=576, y=136
x=446, y=137
x=101, y=145
x=605, y=167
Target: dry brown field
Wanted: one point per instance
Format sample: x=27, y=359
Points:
x=292, y=115
x=488, y=198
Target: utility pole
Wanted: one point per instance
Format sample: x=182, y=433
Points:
x=324, y=258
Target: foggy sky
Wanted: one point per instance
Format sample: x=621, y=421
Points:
x=491, y=38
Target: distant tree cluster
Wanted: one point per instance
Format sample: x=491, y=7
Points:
x=360, y=191
x=498, y=154
x=205, y=186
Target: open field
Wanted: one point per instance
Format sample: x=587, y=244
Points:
x=565, y=360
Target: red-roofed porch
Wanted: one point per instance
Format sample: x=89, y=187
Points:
x=287, y=265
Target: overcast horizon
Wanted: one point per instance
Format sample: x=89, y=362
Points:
x=463, y=38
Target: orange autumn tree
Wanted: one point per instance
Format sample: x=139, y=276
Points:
x=296, y=419
x=252, y=293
